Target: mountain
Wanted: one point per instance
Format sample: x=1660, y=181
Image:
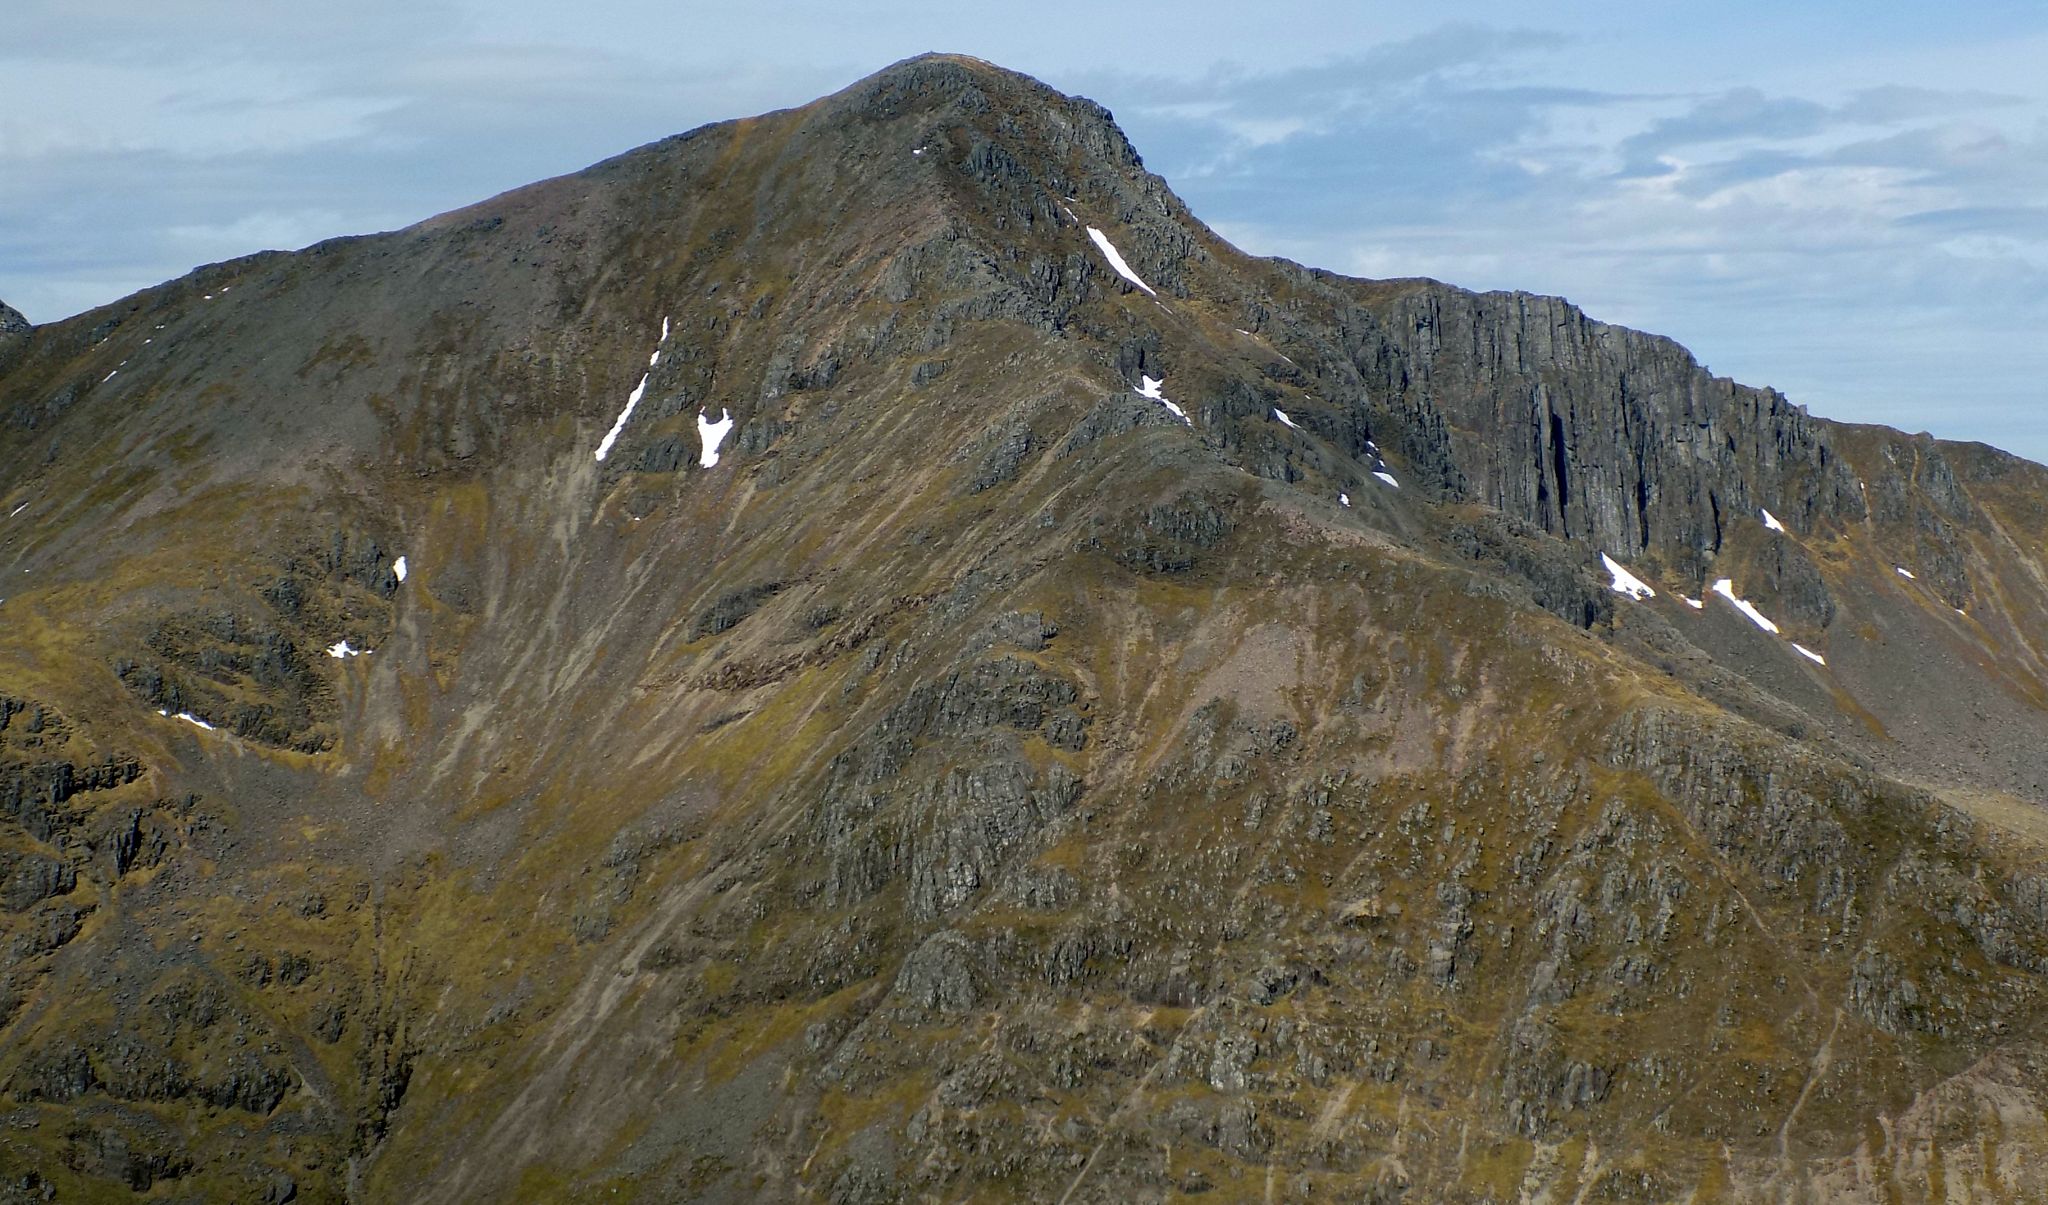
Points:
x=864, y=654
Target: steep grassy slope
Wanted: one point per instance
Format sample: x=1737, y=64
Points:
x=982, y=781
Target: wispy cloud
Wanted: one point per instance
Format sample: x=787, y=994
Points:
x=1739, y=115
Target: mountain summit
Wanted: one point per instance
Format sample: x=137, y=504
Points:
x=865, y=654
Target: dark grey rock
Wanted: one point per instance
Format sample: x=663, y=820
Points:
x=28, y=878
x=1005, y=456
x=731, y=607
x=940, y=974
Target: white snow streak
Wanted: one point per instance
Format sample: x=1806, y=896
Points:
x=1626, y=582
x=1116, y=260
x=1284, y=420
x=108, y=377
x=1148, y=387
x=1810, y=655
x=1726, y=589
x=17, y=510
x=604, y=446
x=1387, y=477
x=1697, y=604
x=712, y=434
x=398, y=567
x=1905, y=573
x=188, y=717
x=341, y=648
x=1771, y=521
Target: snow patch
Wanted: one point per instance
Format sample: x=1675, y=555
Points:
x=1697, y=604
x=1386, y=477
x=398, y=567
x=604, y=446
x=1771, y=521
x=1343, y=499
x=1116, y=260
x=712, y=434
x=918, y=151
x=341, y=648
x=1809, y=654
x=108, y=377
x=1148, y=387
x=1284, y=420
x=1626, y=582
x=17, y=510
x=1905, y=573
x=1726, y=589
x=188, y=717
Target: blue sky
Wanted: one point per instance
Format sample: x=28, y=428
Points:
x=1846, y=201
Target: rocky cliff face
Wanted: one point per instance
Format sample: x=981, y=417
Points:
x=862, y=653
x=1602, y=434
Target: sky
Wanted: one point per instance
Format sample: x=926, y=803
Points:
x=1847, y=201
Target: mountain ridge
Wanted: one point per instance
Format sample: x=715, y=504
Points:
x=985, y=777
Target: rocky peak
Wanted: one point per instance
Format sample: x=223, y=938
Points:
x=12, y=322
x=1003, y=101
